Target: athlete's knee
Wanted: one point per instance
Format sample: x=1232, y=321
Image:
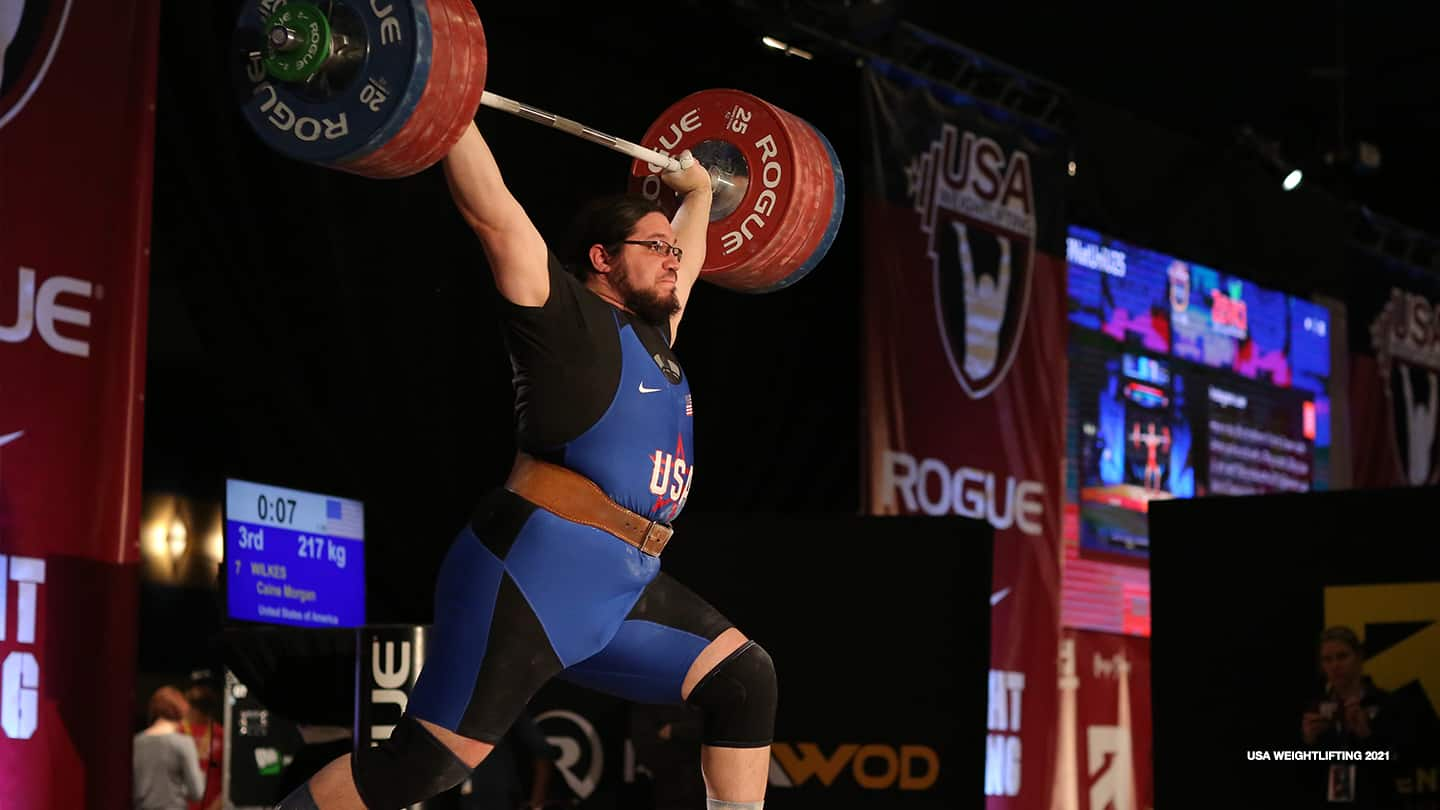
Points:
x=738, y=698
x=409, y=767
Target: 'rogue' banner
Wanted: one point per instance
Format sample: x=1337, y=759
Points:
x=965, y=378
x=77, y=92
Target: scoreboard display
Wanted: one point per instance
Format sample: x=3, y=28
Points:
x=293, y=557
x=1184, y=381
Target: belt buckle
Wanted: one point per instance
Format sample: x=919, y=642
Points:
x=655, y=537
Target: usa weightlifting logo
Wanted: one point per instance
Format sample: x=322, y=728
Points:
x=1406, y=339
x=30, y=32
x=977, y=209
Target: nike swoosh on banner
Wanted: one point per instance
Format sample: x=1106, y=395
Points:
x=4, y=440
x=999, y=595
x=645, y=390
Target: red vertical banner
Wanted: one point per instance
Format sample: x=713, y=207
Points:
x=1394, y=318
x=77, y=111
x=1104, y=759
x=965, y=378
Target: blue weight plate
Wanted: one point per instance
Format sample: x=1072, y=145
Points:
x=358, y=101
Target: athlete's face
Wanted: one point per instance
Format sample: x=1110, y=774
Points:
x=645, y=276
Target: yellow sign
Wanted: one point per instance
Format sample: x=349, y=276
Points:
x=1415, y=658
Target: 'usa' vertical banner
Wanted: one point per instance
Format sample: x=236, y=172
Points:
x=965, y=379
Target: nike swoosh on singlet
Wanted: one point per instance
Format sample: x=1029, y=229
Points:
x=4, y=440
x=645, y=390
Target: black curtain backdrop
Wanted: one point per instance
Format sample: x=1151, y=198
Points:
x=1216, y=205
x=322, y=331
x=1239, y=606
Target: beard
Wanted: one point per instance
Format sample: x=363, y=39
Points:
x=651, y=305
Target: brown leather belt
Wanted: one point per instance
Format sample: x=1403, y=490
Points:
x=576, y=498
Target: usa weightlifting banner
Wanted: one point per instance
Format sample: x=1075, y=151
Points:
x=77, y=92
x=965, y=379
x=1104, y=729
x=1394, y=318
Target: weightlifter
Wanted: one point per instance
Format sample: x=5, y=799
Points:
x=558, y=572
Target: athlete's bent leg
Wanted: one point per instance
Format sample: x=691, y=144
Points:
x=419, y=760
x=733, y=682
x=675, y=647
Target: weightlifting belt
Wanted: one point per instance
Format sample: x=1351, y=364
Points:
x=576, y=498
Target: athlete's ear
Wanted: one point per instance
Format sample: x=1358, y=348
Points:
x=600, y=259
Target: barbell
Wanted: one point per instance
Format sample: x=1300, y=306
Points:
x=384, y=89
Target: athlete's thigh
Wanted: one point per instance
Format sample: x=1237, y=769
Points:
x=487, y=652
x=647, y=660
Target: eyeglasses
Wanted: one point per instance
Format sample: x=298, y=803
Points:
x=656, y=246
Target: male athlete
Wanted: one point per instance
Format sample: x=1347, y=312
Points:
x=558, y=573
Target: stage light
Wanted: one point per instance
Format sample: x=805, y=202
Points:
x=781, y=45
x=1292, y=180
x=177, y=538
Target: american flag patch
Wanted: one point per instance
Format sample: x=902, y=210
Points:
x=689, y=406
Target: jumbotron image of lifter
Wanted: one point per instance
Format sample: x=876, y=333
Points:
x=558, y=573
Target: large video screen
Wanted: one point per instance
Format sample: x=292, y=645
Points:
x=293, y=557
x=1185, y=381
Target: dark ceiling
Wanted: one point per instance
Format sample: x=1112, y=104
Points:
x=333, y=333
x=1206, y=69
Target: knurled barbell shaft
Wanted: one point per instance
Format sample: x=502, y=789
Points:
x=624, y=147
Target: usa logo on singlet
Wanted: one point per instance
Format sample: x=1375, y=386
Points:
x=670, y=481
x=977, y=210
x=30, y=33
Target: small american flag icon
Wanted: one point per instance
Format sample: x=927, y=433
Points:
x=689, y=406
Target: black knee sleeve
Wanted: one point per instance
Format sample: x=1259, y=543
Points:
x=738, y=698
x=409, y=767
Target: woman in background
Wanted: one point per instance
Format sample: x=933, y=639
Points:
x=166, y=767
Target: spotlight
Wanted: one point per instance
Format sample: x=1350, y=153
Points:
x=177, y=539
x=781, y=45
x=1271, y=159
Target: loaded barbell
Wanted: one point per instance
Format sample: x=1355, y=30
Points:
x=384, y=89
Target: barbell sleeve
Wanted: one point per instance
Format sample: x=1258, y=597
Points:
x=624, y=147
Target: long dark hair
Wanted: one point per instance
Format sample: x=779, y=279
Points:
x=603, y=221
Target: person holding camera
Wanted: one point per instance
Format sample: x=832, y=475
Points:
x=1351, y=714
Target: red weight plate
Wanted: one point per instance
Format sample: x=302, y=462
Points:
x=779, y=260
x=399, y=157
x=476, y=53
x=462, y=99
x=429, y=132
x=829, y=206
x=785, y=252
x=758, y=134
x=387, y=161
x=813, y=215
